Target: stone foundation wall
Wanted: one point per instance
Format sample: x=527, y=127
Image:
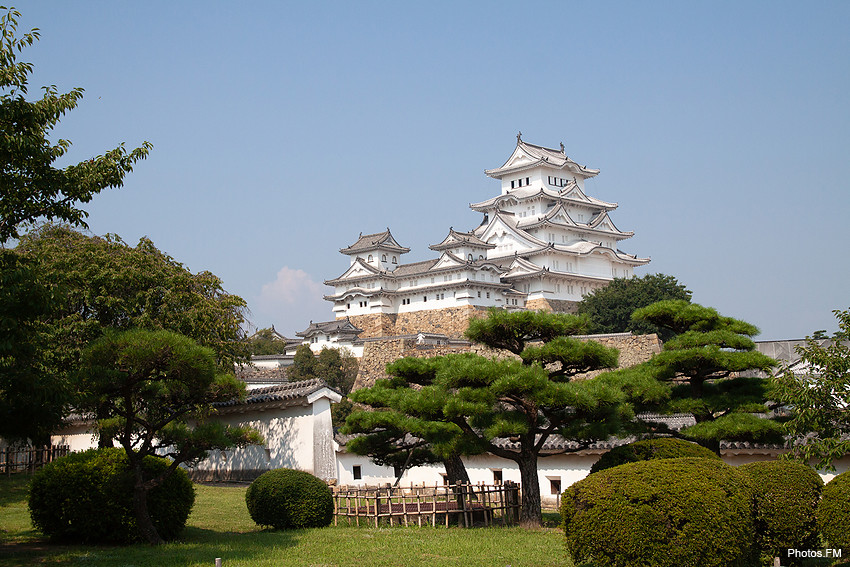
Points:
x=552, y=305
x=634, y=349
x=374, y=324
x=451, y=322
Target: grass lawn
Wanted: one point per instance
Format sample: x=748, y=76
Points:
x=220, y=527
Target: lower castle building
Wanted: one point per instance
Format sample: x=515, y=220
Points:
x=543, y=243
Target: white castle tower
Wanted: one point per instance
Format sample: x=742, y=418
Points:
x=543, y=244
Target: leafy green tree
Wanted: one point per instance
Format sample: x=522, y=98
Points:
x=303, y=365
x=32, y=187
x=102, y=282
x=610, y=308
x=818, y=398
x=154, y=392
x=337, y=367
x=266, y=341
x=702, y=364
x=32, y=400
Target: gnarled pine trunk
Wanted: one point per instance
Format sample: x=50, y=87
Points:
x=455, y=470
x=531, y=514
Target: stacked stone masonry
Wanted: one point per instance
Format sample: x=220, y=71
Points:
x=451, y=322
x=552, y=305
x=634, y=349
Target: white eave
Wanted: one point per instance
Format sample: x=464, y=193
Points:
x=527, y=156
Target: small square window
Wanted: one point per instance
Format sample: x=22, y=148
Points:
x=555, y=485
x=357, y=473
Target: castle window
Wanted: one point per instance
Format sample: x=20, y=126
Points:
x=555, y=485
x=384, y=258
x=470, y=257
x=488, y=295
x=356, y=472
x=479, y=294
x=497, y=476
x=395, y=260
x=370, y=258
x=480, y=256
x=512, y=184
x=424, y=298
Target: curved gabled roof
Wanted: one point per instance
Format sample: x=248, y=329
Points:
x=357, y=265
x=456, y=238
x=603, y=223
x=337, y=326
x=572, y=192
x=521, y=195
x=526, y=156
x=378, y=241
x=549, y=219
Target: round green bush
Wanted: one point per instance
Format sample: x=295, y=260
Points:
x=286, y=498
x=833, y=515
x=88, y=497
x=649, y=449
x=785, y=498
x=663, y=513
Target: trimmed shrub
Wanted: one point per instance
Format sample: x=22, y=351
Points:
x=649, y=449
x=785, y=497
x=833, y=515
x=88, y=497
x=286, y=499
x=663, y=513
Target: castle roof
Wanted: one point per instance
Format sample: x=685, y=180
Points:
x=528, y=156
x=337, y=327
x=571, y=193
x=290, y=394
x=456, y=238
x=378, y=241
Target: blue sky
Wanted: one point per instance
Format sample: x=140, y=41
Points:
x=282, y=130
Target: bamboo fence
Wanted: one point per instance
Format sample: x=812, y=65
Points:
x=29, y=459
x=462, y=504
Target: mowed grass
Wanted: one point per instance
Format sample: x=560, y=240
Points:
x=221, y=527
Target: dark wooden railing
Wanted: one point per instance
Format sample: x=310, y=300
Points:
x=461, y=504
x=29, y=459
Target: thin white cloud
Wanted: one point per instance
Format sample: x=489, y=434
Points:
x=290, y=302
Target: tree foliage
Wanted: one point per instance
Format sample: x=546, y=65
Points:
x=337, y=367
x=401, y=422
x=303, y=364
x=32, y=187
x=818, y=397
x=153, y=392
x=102, y=282
x=702, y=364
x=32, y=399
x=610, y=308
x=266, y=341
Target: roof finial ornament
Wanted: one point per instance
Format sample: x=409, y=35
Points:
x=518, y=137
x=562, y=148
